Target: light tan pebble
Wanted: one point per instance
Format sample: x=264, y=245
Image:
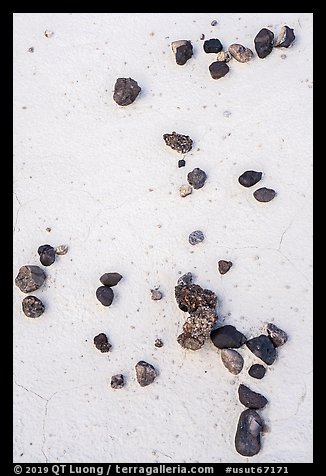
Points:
x=185, y=190
x=223, y=56
x=61, y=250
x=240, y=53
x=48, y=33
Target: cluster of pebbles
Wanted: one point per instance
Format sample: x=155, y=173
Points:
x=31, y=277
x=249, y=178
x=104, y=293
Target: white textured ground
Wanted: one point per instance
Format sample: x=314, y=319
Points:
x=101, y=177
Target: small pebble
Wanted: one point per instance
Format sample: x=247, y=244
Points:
x=240, y=53
x=32, y=306
x=227, y=336
x=189, y=342
x=182, y=50
x=263, y=348
x=264, y=42
x=158, y=343
x=202, y=36
x=249, y=178
x=48, y=33
x=197, y=178
x=47, y=254
x=212, y=46
x=224, y=266
x=30, y=278
x=48, y=229
x=156, y=295
x=61, y=250
x=247, y=437
x=232, y=360
x=218, y=69
x=145, y=373
x=185, y=279
x=196, y=237
x=277, y=336
x=283, y=56
x=181, y=163
x=226, y=113
x=257, y=371
x=285, y=38
x=251, y=399
x=185, y=190
x=31, y=49
x=117, y=381
x=179, y=142
x=126, y=91
x=102, y=343
x=223, y=56
x=214, y=22
x=264, y=194
x=110, y=279
x=105, y=295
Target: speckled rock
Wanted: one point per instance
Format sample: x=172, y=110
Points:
x=227, y=337
x=224, y=266
x=156, y=295
x=178, y=142
x=240, y=53
x=110, y=279
x=218, y=69
x=249, y=178
x=126, y=91
x=263, y=348
x=117, y=381
x=188, y=342
x=102, y=343
x=264, y=42
x=264, y=194
x=232, y=360
x=247, y=437
x=257, y=371
x=196, y=237
x=285, y=38
x=223, y=56
x=197, y=178
x=182, y=50
x=32, y=306
x=277, y=336
x=30, y=278
x=105, y=295
x=251, y=399
x=145, y=373
x=185, y=279
x=193, y=296
x=200, y=322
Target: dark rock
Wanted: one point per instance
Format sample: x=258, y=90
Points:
x=212, y=46
x=264, y=42
x=277, y=336
x=32, y=306
x=213, y=22
x=240, y=53
x=264, y=194
x=247, y=437
x=251, y=399
x=193, y=296
x=196, y=237
x=182, y=50
x=263, y=348
x=197, y=178
x=110, y=279
x=117, y=381
x=249, y=178
x=102, y=343
x=257, y=371
x=158, y=343
x=285, y=38
x=47, y=254
x=125, y=91
x=30, y=278
x=232, y=360
x=181, y=163
x=156, y=295
x=105, y=295
x=218, y=69
x=227, y=336
x=145, y=373
x=189, y=342
x=224, y=266
x=185, y=279
x=179, y=142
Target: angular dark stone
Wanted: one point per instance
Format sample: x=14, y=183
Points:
x=145, y=373
x=102, y=343
x=257, y=371
x=188, y=342
x=218, y=69
x=181, y=163
x=197, y=178
x=125, y=91
x=224, y=266
x=196, y=237
x=32, y=306
x=251, y=399
x=264, y=194
x=285, y=38
x=227, y=337
x=183, y=51
x=179, y=142
x=264, y=42
x=232, y=360
x=277, y=336
x=47, y=254
x=30, y=278
x=247, y=437
x=193, y=296
x=117, y=381
x=185, y=279
x=249, y=178
x=263, y=348
x=110, y=279
x=105, y=295
x=240, y=53
x=212, y=46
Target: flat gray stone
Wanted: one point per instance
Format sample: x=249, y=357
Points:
x=30, y=278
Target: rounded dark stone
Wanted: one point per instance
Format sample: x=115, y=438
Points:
x=125, y=91
x=197, y=178
x=105, y=295
x=224, y=266
x=33, y=306
x=264, y=42
x=181, y=163
x=30, y=278
x=102, y=343
x=212, y=46
x=250, y=178
x=264, y=194
x=47, y=254
x=247, y=437
x=110, y=279
x=218, y=69
x=227, y=337
x=251, y=399
x=263, y=348
x=257, y=371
